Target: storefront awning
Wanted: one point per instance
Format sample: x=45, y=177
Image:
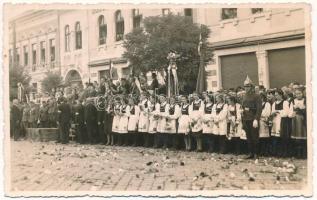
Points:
x=104, y=62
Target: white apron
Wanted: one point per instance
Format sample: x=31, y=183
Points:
x=208, y=119
x=196, y=114
x=264, y=128
x=124, y=119
x=143, y=125
x=184, y=120
x=220, y=119
x=116, y=119
x=134, y=113
x=152, y=121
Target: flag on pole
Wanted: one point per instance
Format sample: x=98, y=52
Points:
x=200, y=85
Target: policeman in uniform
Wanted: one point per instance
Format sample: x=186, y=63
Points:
x=252, y=109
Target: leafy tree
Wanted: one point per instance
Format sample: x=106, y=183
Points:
x=18, y=74
x=147, y=48
x=51, y=80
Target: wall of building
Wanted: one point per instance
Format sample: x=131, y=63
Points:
x=229, y=37
x=74, y=59
x=33, y=28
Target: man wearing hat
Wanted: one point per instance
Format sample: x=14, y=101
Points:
x=252, y=109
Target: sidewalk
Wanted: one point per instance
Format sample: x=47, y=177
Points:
x=74, y=167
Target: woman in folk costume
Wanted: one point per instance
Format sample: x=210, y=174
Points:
x=280, y=112
x=235, y=124
x=134, y=113
x=208, y=122
x=264, y=132
x=242, y=134
x=220, y=111
x=161, y=112
x=196, y=112
x=184, y=123
x=143, y=125
x=171, y=123
x=299, y=126
x=153, y=121
x=123, y=123
x=116, y=120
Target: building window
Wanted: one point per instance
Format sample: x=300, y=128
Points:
x=42, y=44
x=33, y=57
x=228, y=13
x=26, y=55
x=52, y=50
x=17, y=56
x=78, y=36
x=119, y=25
x=256, y=10
x=102, y=30
x=136, y=18
x=188, y=12
x=165, y=11
x=67, y=38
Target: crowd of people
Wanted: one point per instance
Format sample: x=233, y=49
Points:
x=244, y=120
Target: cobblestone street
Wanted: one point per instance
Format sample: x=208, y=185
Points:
x=74, y=167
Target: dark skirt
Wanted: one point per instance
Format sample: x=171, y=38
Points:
x=286, y=128
x=299, y=130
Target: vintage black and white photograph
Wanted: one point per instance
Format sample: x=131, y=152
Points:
x=110, y=99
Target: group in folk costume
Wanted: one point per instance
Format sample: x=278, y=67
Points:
x=161, y=112
x=280, y=129
x=134, y=113
x=299, y=127
x=219, y=113
x=123, y=122
x=208, y=122
x=235, y=129
x=184, y=122
x=153, y=122
x=144, y=111
x=196, y=112
x=116, y=117
x=174, y=113
x=264, y=129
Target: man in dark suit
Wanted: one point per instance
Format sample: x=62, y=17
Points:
x=64, y=117
x=79, y=120
x=15, y=119
x=43, y=115
x=91, y=120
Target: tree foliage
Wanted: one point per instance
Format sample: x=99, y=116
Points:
x=51, y=80
x=18, y=74
x=147, y=48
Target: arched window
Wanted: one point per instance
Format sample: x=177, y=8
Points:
x=102, y=30
x=67, y=38
x=78, y=39
x=137, y=17
x=119, y=25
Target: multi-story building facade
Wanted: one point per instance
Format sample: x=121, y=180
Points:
x=266, y=44
x=36, y=43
